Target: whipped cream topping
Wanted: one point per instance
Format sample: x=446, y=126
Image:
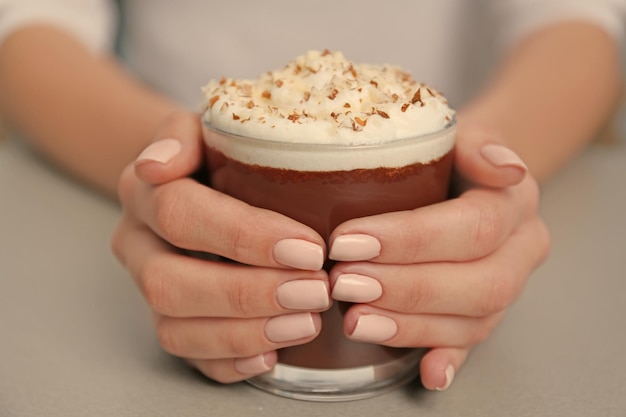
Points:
x=321, y=97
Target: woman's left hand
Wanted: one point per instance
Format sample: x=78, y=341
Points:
x=442, y=276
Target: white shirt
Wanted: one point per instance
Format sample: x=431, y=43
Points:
x=178, y=45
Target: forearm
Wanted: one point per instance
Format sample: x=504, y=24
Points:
x=82, y=111
x=552, y=94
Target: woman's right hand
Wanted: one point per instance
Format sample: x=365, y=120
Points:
x=225, y=318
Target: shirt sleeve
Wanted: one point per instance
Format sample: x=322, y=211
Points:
x=517, y=18
x=92, y=22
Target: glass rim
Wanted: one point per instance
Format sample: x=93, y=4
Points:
x=424, y=137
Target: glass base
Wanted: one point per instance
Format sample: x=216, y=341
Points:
x=331, y=385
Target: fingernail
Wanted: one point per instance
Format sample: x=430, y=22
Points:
x=303, y=295
x=448, y=380
x=161, y=151
x=357, y=247
x=374, y=328
x=253, y=366
x=290, y=327
x=356, y=288
x=501, y=156
x=299, y=254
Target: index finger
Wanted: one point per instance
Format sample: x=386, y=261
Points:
x=193, y=216
x=461, y=229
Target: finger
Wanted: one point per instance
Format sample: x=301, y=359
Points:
x=481, y=157
x=439, y=366
x=177, y=285
x=478, y=288
x=461, y=229
x=230, y=370
x=175, y=152
x=218, y=338
x=369, y=324
x=192, y=216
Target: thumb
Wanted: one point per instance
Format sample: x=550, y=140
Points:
x=481, y=158
x=175, y=152
x=439, y=365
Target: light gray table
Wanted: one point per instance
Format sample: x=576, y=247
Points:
x=77, y=340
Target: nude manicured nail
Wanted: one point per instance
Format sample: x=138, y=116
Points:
x=357, y=247
x=252, y=366
x=161, y=151
x=290, y=327
x=449, y=378
x=501, y=156
x=356, y=288
x=299, y=254
x=374, y=328
x=303, y=295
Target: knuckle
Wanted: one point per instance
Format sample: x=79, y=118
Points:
x=167, y=336
x=483, y=226
x=417, y=297
x=235, y=345
x=481, y=333
x=156, y=290
x=241, y=297
x=422, y=335
x=486, y=229
x=499, y=295
x=169, y=216
x=240, y=242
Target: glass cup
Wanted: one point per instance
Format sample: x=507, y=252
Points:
x=323, y=185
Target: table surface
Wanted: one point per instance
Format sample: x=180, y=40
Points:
x=76, y=338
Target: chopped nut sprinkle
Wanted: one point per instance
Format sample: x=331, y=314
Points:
x=417, y=96
x=352, y=71
x=323, y=86
x=213, y=100
x=382, y=114
x=361, y=122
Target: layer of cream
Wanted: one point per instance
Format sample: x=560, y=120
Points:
x=326, y=157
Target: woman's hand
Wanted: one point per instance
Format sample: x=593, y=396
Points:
x=442, y=276
x=225, y=318
x=439, y=276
